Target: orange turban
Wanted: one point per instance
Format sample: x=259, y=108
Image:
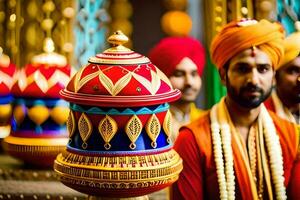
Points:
x=238, y=36
x=291, y=48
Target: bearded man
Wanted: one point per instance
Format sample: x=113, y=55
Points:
x=285, y=99
x=239, y=150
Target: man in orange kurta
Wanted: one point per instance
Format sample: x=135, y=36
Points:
x=239, y=150
x=285, y=99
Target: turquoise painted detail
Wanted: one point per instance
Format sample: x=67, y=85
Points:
x=114, y=111
x=288, y=13
x=90, y=30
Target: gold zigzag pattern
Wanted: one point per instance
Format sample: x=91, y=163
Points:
x=6, y=79
x=38, y=78
x=114, y=89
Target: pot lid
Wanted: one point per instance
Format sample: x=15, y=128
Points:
x=119, y=77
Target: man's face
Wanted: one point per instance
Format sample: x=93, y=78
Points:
x=186, y=78
x=288, y=81
x=249, y=78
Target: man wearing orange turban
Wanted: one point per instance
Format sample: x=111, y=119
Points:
x=239, y=150
x=285, y=100
x=182, y=59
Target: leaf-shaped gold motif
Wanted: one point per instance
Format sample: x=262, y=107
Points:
x=133, y=129
x=153, y=85
x=153, y=128
x=155, y=82
x=107, y=128
x=85, y=127
x=142, y=80
x=86, y=79
x=77, y=79
x=71, y=124
x=167, y=125
x=114, y=89
x=106, y=82
x=121, y=83
x=163, y=77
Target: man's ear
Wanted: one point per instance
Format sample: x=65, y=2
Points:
x=222, y=72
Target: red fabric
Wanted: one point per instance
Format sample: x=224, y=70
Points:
x=198, y=180
x=171, y=50
x=270, y=104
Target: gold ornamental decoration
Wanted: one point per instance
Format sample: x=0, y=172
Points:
x=107, y=128
x=133, y=129
x=167, y=125
x=71, y=124
x=119, y=101
x=85, y=128
x=153, y=128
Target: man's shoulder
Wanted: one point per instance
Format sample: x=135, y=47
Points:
x=278, y=121
x=200, y=126
x=285, y=128
x=202, y=120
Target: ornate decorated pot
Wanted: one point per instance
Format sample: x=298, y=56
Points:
x=7, y=72
x=119, y=126
x=38, y=130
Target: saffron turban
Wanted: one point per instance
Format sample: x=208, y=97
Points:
x=291, y=48
x=169, y=52
x=239, y=36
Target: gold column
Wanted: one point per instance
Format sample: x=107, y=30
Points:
x=24, y=25
x=13, y=23
x=241, y=9
x=215, y=17
x=220, y=12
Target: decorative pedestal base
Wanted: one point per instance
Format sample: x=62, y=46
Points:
x=36, y=151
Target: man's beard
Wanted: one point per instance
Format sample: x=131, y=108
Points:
x=248, y=102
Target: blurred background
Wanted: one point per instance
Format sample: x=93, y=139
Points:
x=79, y=28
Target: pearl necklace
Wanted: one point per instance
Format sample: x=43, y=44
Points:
x=221, y=137
x=226, y=183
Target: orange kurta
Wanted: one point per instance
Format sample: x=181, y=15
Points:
x=198, y=180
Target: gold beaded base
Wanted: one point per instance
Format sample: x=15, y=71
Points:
x=36, y=151
x=118, y=176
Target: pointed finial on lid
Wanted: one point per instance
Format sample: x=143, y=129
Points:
x=118, y=38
